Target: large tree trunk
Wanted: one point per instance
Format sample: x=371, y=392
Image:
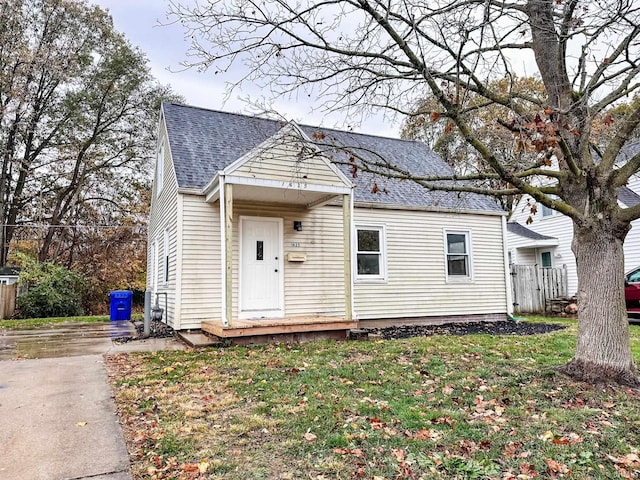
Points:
x=603, y=352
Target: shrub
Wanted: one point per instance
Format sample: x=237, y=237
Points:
x=54, y=291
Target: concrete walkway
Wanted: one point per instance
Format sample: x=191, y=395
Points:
x=57, y=415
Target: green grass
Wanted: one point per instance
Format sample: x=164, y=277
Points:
x=440, y=407
x=29, y=323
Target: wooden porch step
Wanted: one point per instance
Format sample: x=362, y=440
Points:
x=277, y=326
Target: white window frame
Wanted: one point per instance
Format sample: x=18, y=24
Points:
x=469, y=253
x=165, y=258
x=160, y=170
x=547, y=212
x=382, y=237
x=542, y=252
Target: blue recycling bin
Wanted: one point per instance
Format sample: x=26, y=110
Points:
x=120, y=302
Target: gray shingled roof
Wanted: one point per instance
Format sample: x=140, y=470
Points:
x=205, y=141
x=515, y=227
x=628, y=197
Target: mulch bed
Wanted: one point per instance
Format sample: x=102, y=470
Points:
x=158, y=330
x=490, y=328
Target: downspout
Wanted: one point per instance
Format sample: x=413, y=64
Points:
x=507, y=270
x=354, y=315
x=223, y=250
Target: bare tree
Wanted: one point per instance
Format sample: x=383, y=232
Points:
x=77, y=120
x=361, y=55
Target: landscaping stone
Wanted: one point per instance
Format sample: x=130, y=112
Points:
x=470, y=328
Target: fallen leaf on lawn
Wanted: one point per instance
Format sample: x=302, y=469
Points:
x=546, y=436
x=630, y=460
x=555, y=468
x=527, y=470
x=423, y=434
x=511, y=448
x=570, y=439
x=310, y=437
x=399, y=453
x=203, y=466
x=190, y=467
x=81, y=424
x=168, y=369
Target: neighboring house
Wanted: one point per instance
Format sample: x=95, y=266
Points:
x=9, y=275
x=254, y=219
x=546, y=241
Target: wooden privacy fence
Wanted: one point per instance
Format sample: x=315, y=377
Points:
x=532, y=286
x=7, y=300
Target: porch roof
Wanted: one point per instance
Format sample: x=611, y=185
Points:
x=532, y=239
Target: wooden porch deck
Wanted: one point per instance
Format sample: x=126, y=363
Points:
x=277, y=326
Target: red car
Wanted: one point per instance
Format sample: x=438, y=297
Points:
x=632, y=290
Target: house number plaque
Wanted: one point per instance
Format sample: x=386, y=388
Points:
x=295, y=244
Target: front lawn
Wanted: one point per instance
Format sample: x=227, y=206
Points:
x=440, y=407
x=27, y=323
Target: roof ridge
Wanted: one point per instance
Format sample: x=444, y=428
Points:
x=288, y=121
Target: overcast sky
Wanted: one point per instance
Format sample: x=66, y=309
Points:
x=166, y=47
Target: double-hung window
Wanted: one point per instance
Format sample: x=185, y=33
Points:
x=370, y=254
x=458, y=254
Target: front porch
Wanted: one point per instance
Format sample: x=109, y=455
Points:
x=270, y=260
x=278, y=326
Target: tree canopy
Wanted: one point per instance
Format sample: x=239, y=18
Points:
x=365, y=55
x=78, y=116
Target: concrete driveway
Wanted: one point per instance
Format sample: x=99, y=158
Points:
x=57, y=416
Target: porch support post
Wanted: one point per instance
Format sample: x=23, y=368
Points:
x=346, y=231
x=228, y=254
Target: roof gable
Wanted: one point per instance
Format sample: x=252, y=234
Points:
x=204, y=142
x=278, y=158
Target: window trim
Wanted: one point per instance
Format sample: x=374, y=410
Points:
x=548, y=212
x=542, y=252
x=469, y=277
x=382, y=236
x=159, y=170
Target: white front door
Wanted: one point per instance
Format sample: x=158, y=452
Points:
x=261, y=276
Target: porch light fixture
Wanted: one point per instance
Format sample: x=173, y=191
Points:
x=297, y=225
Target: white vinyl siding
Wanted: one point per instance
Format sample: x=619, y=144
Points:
x=163, y=218
x=416, y=283
x=557, y=226
x=281, y=162
x=201, y=286
x=160, y=165
x=312, y=287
